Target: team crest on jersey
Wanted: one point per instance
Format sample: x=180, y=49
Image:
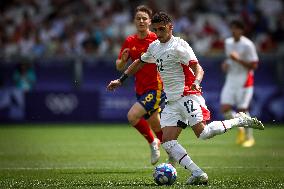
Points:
x=133, y=48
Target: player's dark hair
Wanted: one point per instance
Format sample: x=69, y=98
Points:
x=238, y=24
x=144, y=8
x=161, y=17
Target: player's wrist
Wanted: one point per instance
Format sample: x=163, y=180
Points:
x=123, y=77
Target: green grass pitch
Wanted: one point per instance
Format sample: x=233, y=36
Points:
x=116, y=156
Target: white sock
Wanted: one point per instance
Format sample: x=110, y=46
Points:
x=212, y=129
x=232, y=122
x=218, y=127
x=180, y=155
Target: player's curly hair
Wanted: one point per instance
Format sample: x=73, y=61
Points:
x=161, y=17
x=237, y=23
x=144, y=8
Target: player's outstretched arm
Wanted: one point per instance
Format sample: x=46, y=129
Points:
x=132, y=69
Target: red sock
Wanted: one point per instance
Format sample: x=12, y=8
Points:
x=143, y=127
x=159, y=135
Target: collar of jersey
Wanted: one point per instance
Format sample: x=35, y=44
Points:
x=172, y=38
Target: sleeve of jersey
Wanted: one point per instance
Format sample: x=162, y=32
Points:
x=252, y=54
x=147, y=57
x=226, y=48
x=227, y=59
x=185, y=54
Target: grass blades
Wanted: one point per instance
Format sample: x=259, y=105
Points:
x=116, y=156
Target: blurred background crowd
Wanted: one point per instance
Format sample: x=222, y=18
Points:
x=56, y=56
x=44, y=28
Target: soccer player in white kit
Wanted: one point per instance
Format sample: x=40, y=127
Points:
x=181, y=74
x=239, y=66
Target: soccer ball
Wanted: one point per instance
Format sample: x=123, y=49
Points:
x=165, y=174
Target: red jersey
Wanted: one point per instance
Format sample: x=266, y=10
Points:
x=147, y=78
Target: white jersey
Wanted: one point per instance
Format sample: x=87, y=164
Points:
x=173, y=59
x=237, y=74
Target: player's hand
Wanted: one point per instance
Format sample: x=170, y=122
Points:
x=234, y=56
x=113, y=85
x=196, y=87
x=125, y=55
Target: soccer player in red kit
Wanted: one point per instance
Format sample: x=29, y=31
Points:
x=144, y=114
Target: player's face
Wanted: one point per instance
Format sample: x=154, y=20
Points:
x=142, y=21
x=163, y=31
x=236, y=32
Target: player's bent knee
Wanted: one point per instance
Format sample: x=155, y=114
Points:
x=166, y=139
x=133, y=120
x=169, y=144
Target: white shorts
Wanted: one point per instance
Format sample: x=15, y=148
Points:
x=189, y=110
x=239, y=97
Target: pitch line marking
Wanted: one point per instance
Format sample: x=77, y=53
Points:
x=123, y=168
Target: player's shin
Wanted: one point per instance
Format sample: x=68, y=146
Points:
x=212, y=129
x=159, y=134
x=144, y=129
x=180, y=155
x=248, y=131
x=219, y=127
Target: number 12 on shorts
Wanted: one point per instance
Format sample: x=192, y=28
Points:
x=189, y=106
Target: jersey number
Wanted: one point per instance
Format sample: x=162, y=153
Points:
x=160, y=66
x=189, y=106
x=148, y=98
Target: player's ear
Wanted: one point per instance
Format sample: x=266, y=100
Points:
x=171, y=26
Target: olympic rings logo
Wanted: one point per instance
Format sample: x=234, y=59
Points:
x=61, y=103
